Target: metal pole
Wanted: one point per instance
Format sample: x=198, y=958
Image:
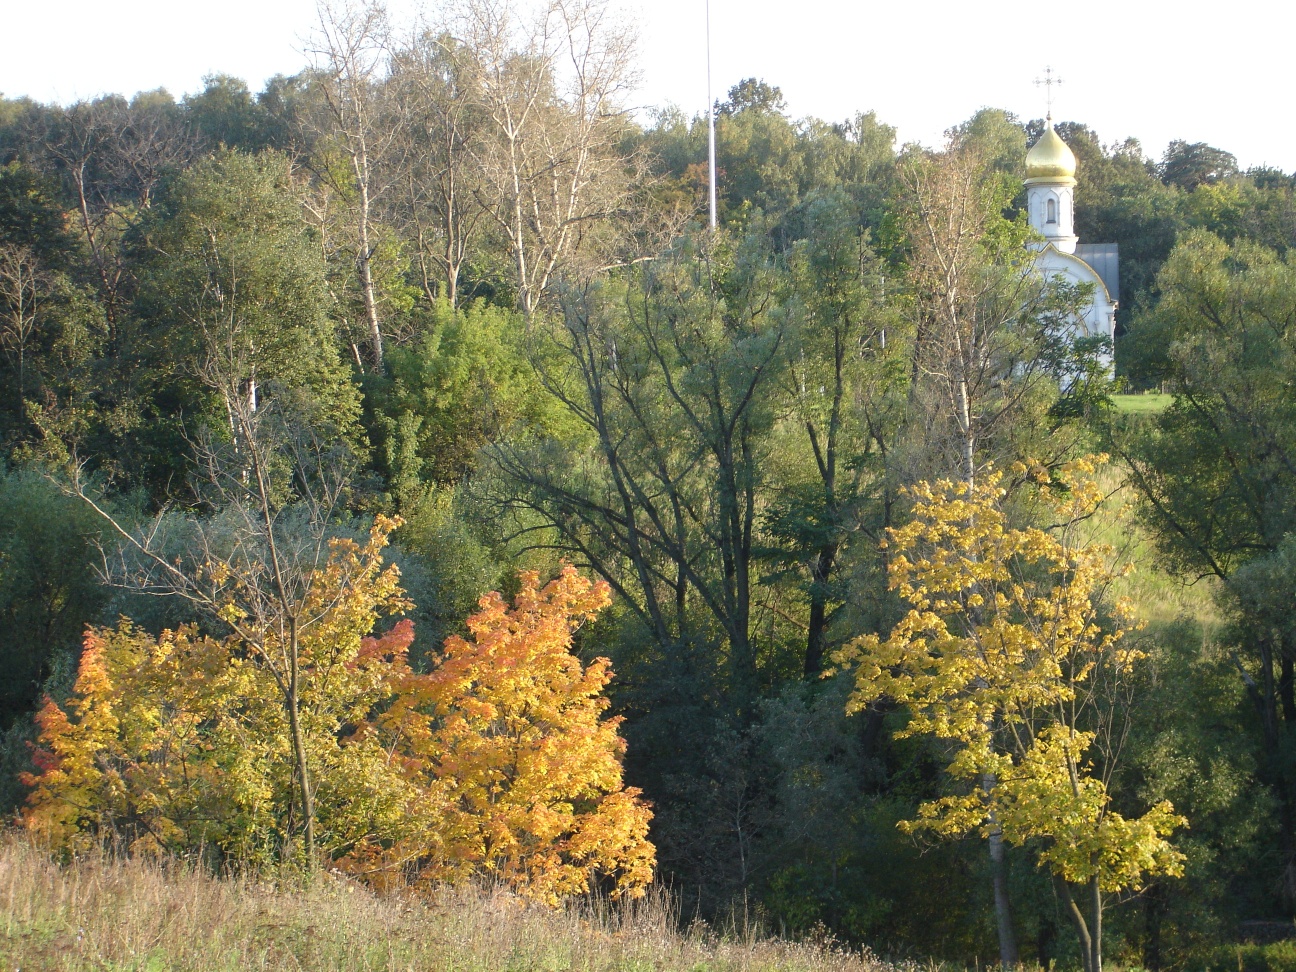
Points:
x=711, y=166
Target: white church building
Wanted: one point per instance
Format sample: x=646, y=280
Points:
x=1050, y=202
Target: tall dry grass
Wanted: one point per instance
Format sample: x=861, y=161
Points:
x=103, y=913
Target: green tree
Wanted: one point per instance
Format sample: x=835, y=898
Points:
x=759, y=164
x=1215, y=469
x=50, y=329
x=226, y=116
x=32, y=216
x=1189, y=165
x=49, y=589
x=996, y=136
x=845, y=384
x=233, y=297
x=993, y=337
x=463, y=383
x=670, y=383
x=753, y=94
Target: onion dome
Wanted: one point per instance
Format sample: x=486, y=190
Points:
x=1050, y=160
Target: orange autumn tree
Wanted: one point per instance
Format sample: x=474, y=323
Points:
x=136, y=755
x=518, y=770
x=498, y=761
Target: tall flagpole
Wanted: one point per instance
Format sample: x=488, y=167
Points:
x=711, y=167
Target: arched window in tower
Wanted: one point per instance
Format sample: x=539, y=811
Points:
x=1051, y=210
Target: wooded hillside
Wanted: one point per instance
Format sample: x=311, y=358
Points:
x=441, y=301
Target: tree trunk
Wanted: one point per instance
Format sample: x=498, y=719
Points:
x=1003, y=909
x=1077, y=917
x=816, y=636
x=299, y=746
x=968, y=456
x=1266, y=696
x=1095, y=921
x=1153, y=909
x=1286, y=689
x=364, y=265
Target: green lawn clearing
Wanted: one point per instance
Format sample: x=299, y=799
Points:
x=1148, y=404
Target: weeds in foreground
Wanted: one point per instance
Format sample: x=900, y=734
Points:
x=104, y=913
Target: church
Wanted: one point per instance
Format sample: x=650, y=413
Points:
x=1050, y=206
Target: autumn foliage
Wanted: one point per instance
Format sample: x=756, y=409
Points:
x=497, y=761
x=518, y=772
x=1012, y=653
x=183, y=740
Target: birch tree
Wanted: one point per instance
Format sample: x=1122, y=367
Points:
x=992, y=334
x=553, y=92
x=23, y=287
x=351, y=54
x=435, y=84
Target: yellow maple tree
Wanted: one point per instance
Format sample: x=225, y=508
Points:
x=1010, y=654
x=184, y=740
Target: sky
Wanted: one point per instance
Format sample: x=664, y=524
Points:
x=1137, y=68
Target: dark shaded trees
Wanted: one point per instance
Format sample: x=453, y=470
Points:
x=670, y=382
x=233, y=294
x=1189, y=165
x=1215, y=472
x=49, y=589
x=845, y=384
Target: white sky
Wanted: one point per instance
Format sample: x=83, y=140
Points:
x=1129, y=67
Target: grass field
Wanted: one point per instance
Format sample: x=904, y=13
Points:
x=115, y=916
x=1160, y=599
x=1142, y=404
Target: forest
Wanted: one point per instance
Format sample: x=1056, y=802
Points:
x=399, y=475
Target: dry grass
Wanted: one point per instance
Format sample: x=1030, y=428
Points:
x=107, y=914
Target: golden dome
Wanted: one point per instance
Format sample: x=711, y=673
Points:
x=1050, y=160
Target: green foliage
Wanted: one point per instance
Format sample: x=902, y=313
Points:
x=1254, y=957
x=449, y=566
x=720, y=426
x=770, y=165
x=1191, y=165
x=226, y=116
x=49, y=590
x=1224, y=339
x=31, y=215
x=1191, y=743
x=753, y=94
x=996, y=136
x=464, y=381
x=1147, y=404
x=233, y=298
x=846, y=379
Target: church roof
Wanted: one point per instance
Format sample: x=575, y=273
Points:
x=1105, y=260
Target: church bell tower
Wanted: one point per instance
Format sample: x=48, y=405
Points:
x=1061, y=257
x=1050, y=189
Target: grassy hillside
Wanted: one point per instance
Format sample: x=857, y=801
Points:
x=114, y=916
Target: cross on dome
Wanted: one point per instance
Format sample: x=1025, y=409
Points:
x=1048, y=82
